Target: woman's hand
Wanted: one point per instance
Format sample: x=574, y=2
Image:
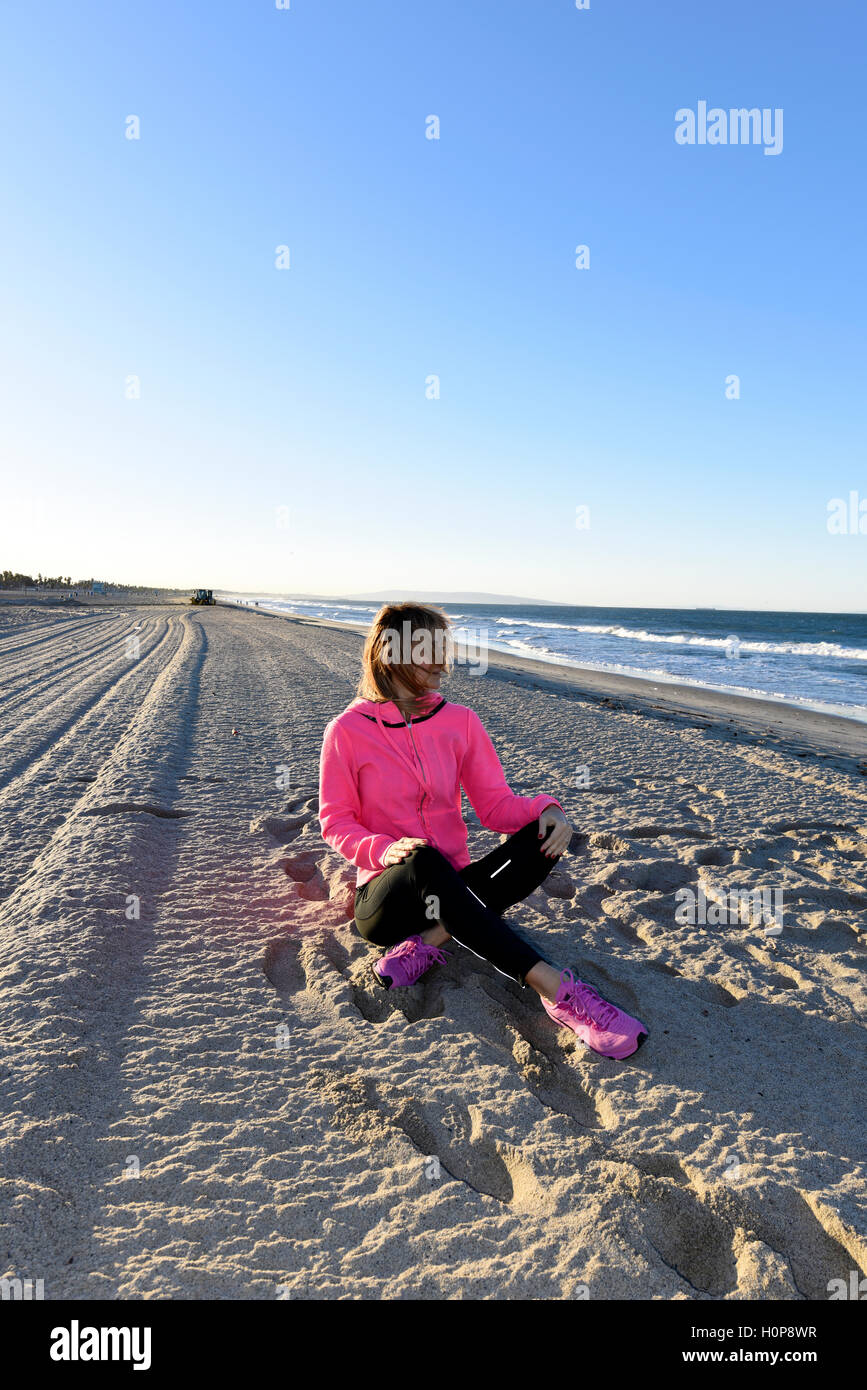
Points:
x=400, y=849
x=552, y=820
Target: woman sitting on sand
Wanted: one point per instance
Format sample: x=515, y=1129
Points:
x=391, y=771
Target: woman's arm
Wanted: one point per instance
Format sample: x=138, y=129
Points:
x=339, y=805
x=484, y=782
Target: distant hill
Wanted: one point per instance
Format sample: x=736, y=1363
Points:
x=442, y=596
x=402, y=595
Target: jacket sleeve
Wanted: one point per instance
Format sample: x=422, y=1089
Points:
x=339, y=804
x=484, y=782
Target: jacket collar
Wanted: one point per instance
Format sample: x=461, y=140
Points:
x=391, y=715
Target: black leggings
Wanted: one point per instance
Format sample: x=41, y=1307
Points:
x=409, y=897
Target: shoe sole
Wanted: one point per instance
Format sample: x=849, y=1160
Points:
x=639, y=1042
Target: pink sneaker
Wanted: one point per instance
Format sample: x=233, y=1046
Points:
x=402, y=964
x=602, y=1026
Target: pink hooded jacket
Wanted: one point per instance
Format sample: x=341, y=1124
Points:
x=381, y=778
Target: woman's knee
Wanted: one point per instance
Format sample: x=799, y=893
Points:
x=427, y=862
x=528, y=837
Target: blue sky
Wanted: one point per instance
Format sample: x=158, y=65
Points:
x=283, y=440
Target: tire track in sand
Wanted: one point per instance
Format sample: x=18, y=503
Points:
x=72, y=967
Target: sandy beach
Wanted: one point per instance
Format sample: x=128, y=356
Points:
x=205, y=1095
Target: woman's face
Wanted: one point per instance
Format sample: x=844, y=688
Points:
x=428, y=667
x=430, y=655
x=432, y=673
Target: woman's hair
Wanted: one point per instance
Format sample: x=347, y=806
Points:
x=399, y=634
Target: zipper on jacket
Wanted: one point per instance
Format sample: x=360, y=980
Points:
x=421, y=765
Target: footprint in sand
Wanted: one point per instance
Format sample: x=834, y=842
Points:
x=651, y=875
x=612, y=844
x=713, y=855
x=282, y=828
x=558, y=884
x=301, y=868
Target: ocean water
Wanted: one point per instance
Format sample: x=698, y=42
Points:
x=818, y=660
